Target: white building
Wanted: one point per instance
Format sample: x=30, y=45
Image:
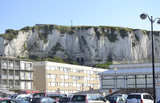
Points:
x=15, y=74
x=65, y=78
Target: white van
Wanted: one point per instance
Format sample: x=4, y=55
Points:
x=139, y=98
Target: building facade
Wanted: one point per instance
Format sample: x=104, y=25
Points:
x=129, y=76
x=65, y=78
x=15, y=74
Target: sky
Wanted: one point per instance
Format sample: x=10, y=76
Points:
x=16, y=14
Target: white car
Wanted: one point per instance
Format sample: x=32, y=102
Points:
x=47, y=100
x=139, y=98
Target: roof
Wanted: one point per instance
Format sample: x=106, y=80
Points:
x=139, y=94
x=130, y=71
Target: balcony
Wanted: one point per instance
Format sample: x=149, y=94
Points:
x=17, y=87
x=22, y=78
x=28, y=78
x=80, y=81
x=3, y=76
x=10, y=76
x=10, y=67
x=29, y=69
x=4, y=86
x=16, y=77
x=4, y=67
x=58, y=72
x=16, y=68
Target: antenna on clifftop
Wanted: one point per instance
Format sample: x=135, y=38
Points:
x=71, y=23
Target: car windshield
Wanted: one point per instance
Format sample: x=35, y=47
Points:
x=134, y=96
x=78, y=98
x=113, y=98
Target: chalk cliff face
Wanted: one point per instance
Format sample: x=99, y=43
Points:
x=85, y=44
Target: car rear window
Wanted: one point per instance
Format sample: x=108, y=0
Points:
x=78, y=98
x=134, y=96
x=147, y=97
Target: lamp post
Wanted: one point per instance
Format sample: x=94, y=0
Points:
x=143, y=17
x=115, y=70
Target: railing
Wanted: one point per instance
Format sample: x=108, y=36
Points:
x=16, y=77
x=3, y=76
x=10, y=76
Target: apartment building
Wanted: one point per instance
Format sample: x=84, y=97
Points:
x=65, y=78
x=15, y=74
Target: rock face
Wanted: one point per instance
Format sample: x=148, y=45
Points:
x=85, y=44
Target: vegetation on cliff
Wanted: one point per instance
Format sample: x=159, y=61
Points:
x=10, y=34
x=105, y=65
x=44, y=29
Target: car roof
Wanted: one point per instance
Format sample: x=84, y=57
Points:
x=139, y=94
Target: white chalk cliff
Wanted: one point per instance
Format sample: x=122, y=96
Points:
x=87, y=44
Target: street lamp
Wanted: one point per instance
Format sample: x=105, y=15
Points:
x=143, y=17
x=115, y=70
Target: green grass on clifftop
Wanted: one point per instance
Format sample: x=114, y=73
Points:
x=9, y=34
x=44, y=30
x=105, y=65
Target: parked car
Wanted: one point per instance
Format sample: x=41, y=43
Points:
x=64, y=100
x=36, y=97
x=87, y=98
x=54, y=96
x=21, y=101
x=8, y=101
x=139, y=98
x=24, y=97
x=47, y=100
x=117, y=98
x=13, y=96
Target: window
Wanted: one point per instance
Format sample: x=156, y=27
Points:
x=66, y=84
x=48, y=68
x=66, y=77
x=49, y=84
x=53, y=76
x=61, y=69
x=49, y=76
x=53, y=84
x=22, y=75
x=62, y=76
x=134, y=96
x=17, y=83
x=61, y=84
x=78, y=98
x=147, y=97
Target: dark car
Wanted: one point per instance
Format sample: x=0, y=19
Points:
x=64, y=100
x=37, y=97
x=13, y=96
x=8, y=101
x=21, y=101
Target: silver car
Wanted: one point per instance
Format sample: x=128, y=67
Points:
x=87, y=98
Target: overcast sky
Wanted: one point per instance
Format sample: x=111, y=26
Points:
x=16, y=14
